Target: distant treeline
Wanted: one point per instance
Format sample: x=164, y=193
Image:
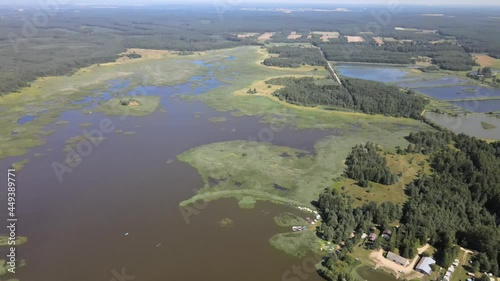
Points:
x=295, y=57
x=354, y=94
x=80, y=36
x=363, y=53
x=446, y=56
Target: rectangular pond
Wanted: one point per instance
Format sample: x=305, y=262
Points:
x=479, y=106
x=460, y=92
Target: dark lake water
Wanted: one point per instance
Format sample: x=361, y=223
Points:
x=77, y=227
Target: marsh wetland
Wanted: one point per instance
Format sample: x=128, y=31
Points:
x=172, y=118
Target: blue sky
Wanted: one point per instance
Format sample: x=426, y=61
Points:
x=247, y=3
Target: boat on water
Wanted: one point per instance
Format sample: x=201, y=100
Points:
x=298, y=228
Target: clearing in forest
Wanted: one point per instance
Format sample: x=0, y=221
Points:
x=247, y=35
x=325, y=35
x=266, y=36
x=293, y=35
x=379, y=40
x=405, y=166
x=486, y=61
x=354, y=39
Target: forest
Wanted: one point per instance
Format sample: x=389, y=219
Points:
x=455, y=206
x=77, y=36
x=365, y=164
x=446, y=55
x=354, y=94
x=295, y=57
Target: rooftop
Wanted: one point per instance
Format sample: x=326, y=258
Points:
x=424, y=265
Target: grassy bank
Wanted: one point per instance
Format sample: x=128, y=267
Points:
x=276, y=173
x=289, y=219
x=297, y=244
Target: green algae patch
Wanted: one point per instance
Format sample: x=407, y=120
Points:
x=247, y=202
x=130, y=106
x=20, y=165
x=226, y=222
x=218, y=119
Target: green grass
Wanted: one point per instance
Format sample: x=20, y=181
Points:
x=20, y=165
x=86, y=124
x=406, y=167
x=247, y=202
x=136, y=106
x=288, y=219
x=297, y=244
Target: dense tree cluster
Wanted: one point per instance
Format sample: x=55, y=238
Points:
x=340, y=219
x=446, y=56
x=455, y=206
x=335, y=267
x=459, y=203
x=295, y=57
x=338, y=216
x=365, y=164
x=354, y=94
x=427, y=142
x=363, y=53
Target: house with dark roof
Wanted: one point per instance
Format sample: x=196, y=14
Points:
x=424, y=265
x=397, y=259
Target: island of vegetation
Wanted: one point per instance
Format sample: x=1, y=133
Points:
x=133, y=106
